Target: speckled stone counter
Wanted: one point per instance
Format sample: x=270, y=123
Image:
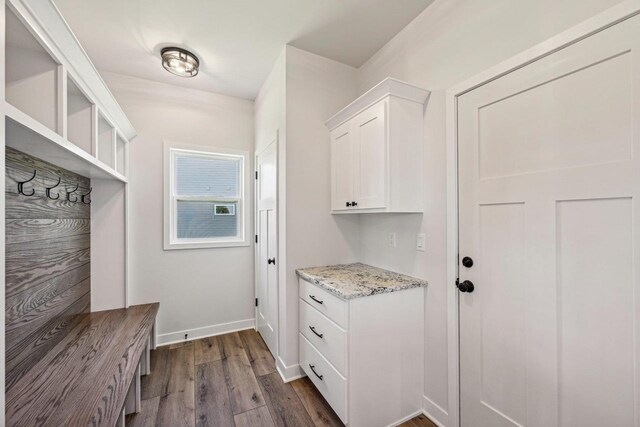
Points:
x=349, y=281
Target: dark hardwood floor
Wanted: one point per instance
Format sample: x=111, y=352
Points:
x=229, y=380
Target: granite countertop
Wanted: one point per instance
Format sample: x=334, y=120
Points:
x=349, y=281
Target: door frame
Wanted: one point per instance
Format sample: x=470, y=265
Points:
x=256, y=266
x=593, y=25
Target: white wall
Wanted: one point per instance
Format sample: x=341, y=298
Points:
x=316, y=88
x=449, y=42
x=196, y=288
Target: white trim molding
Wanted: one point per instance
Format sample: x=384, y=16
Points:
x=169, y=215
x=434, y=412
x=573, y=35
x=289, y=373
x=205, y=331
x=387, y=87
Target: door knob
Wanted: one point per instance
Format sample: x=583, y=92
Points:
x=466, y=286
x=467, y=262
x=271, y=261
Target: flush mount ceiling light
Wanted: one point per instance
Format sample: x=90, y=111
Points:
x=180, y=62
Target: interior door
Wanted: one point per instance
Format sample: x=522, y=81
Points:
x=370, y=171
x=549, y=215
x=342, y=166
x=267, y=246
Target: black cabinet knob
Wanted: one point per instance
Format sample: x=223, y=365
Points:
x=466, y=286
x=354, y=204
x=271, y=261
x=348, y=204
x=467, y=262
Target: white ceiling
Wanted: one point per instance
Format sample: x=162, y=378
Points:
x=237, y=41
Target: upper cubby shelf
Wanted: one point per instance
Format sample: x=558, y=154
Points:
x=57, y=104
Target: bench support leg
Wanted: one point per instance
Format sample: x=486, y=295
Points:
x=153, y=335
x=132, y=401
x=145, y=360
x=120, y=422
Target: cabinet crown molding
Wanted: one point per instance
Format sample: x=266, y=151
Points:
x=387, y=87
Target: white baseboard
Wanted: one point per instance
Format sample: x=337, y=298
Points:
x=289, y=373
x=405, y=419
x=434, y=412
x=205, y=331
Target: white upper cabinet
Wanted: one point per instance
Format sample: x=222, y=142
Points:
x=377, y=151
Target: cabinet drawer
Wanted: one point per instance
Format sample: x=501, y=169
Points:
x=329, y=305
x=327, y=337
x=327, y=380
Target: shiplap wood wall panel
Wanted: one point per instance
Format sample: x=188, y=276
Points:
x=48, y=273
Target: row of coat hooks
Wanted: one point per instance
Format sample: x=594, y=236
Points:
x=70, y=196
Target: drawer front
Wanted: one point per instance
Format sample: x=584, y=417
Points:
x=332, y=385
x=327, y=337
x=329, y=305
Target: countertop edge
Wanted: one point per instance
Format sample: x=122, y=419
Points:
x=354, y=295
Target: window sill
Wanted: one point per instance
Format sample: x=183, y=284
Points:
x=205, y=245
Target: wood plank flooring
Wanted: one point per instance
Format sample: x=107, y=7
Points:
x=229, y=381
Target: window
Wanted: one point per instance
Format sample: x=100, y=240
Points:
x=205, y=197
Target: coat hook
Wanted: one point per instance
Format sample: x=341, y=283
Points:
x=75, y=199
x=21, y=186
x=48, y=191
x=85, y=195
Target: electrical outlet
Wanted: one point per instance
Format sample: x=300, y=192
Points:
x=392, y=240
x=421, y=242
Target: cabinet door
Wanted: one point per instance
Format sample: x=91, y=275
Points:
x=342, y=163
x=370, y=171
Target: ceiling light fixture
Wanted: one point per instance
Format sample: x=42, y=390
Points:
x=180, y=62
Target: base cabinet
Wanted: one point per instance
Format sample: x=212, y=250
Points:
x=364, y=355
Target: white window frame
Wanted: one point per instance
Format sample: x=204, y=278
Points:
x=171, y=241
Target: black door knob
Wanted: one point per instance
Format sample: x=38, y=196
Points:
x=467, y=262
x=348, y=204
x=466, y=286
x=271, y=261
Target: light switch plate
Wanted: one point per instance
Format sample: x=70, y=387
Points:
x=421, y=242
x=392, y=240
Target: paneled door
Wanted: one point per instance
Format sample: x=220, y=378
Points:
x=267, y=246
x=342, y=158
x=370, y=171
x=549, y=218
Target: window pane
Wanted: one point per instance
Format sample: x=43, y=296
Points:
x=197, y=220
x=205, y=176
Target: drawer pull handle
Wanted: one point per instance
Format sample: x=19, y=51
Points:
x=313, y=329
x=314, y=371
x=316, y=300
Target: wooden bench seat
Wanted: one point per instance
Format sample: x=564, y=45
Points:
x=85, y=378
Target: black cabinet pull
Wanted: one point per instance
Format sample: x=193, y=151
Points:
x=348, y=204
x=314, y=371
x=316, y=300
x=313, y=329
x=354, y=204
x=271, y=261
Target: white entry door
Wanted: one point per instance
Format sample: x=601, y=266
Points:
x=267, y=245
x=549, y=214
